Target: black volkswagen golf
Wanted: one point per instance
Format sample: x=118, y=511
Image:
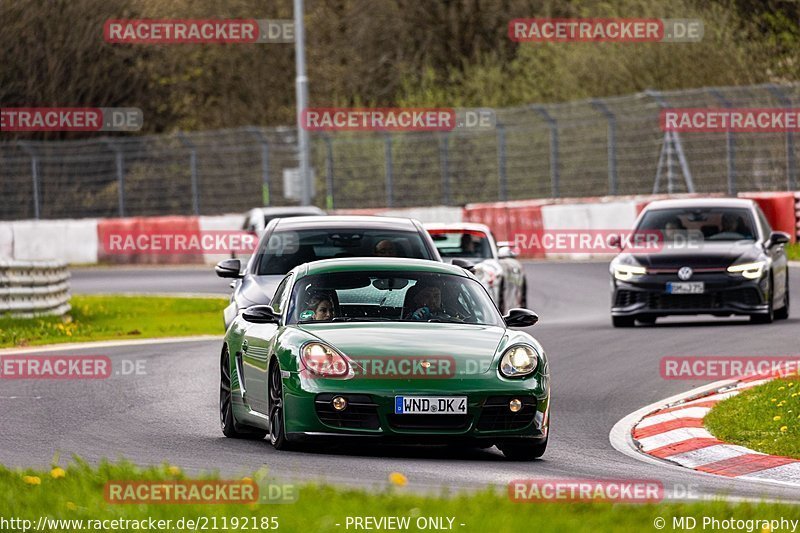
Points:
x=715, y=256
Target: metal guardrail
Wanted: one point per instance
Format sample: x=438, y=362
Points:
x=34, y=288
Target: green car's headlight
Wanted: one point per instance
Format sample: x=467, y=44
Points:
x=628, y=272
x=322, y=360
x=518, y=361
x=749, y=270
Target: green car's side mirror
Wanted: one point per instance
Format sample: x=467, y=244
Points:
x=520, y=318
x=260, y=314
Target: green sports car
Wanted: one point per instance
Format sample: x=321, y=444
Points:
x=399, y=349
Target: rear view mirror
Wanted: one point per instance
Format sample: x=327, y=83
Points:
x=229, y=268
x=389, y=284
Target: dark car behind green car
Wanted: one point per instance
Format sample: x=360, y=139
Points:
x=399, y=349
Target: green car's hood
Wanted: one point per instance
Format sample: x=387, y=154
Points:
x=468, y=344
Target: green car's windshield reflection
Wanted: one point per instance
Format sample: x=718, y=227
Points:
x=385, y=296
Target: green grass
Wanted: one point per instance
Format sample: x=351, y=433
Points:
x=95, y=318
x=793, y=251
x=765, y=418
x=79, y=495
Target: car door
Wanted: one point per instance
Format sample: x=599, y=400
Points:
x=257, y=347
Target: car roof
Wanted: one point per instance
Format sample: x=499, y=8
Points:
x=456, y=226
x=277, y=211
x=350, y=221
x=356, y=264
x=700, y=203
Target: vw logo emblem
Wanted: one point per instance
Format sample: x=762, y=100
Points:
x=685, y=273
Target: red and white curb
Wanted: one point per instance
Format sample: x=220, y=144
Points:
x=671, y=432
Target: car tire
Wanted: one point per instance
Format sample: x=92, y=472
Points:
x=769, y=316
x=623, y=321
x=647, y=320
x=783, y=312
x=277, y=416
x=230, y=428
x=523, y=451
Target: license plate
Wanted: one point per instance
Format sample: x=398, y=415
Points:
x=431, y=405
x=688, y=287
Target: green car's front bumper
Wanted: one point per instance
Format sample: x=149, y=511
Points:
x=370, y=408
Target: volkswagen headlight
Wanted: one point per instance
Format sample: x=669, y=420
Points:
x=628, y=272
x=749, y=270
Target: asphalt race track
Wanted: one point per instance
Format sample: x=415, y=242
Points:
x=600, y=375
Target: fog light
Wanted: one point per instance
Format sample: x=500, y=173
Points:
x=515, y=405
x=339, y=403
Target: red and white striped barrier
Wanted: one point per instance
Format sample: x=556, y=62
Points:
x=83, y=241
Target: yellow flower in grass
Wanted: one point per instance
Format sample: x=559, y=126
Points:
x=58, y=472
x=32, y=480
x=398, y=479
x=71, y=506
x=784, y=429
x=174, y=470
x=776, y=418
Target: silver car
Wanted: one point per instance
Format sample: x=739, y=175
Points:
x=495, y=264
x=289, y=242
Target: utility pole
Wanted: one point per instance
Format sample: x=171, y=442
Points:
x=301, y=86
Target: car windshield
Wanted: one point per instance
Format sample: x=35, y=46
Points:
x=288, y=249
x=701, y=223
x=462, y=243
x=388, y=296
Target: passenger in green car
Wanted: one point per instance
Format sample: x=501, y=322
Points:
x=319, y=306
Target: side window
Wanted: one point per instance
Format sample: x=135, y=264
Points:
x=762, y=218
x=280, y=295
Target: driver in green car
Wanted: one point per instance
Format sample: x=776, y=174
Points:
x=426, y=301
